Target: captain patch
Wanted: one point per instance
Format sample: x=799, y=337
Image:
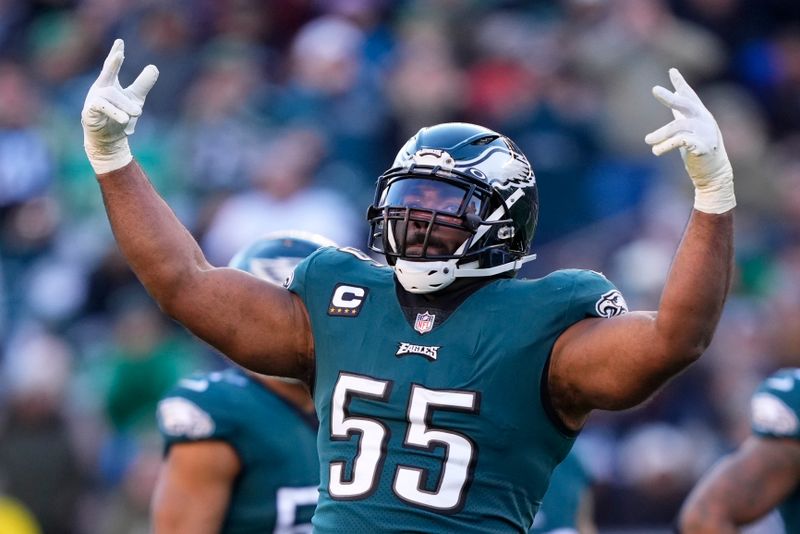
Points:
x=181, y=417
x=772, y=416
x=610, y=304
x=347, y=300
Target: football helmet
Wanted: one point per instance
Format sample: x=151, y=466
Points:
x=460, y=200
x=274, y=256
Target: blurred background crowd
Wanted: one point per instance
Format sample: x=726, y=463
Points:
x=281, y=114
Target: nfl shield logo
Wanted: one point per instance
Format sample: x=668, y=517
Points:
x=424, y=322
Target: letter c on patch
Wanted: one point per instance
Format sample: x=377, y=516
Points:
x=348, y=297
x=347, y=300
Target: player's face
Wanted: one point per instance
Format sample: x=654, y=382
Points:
x=447, y=231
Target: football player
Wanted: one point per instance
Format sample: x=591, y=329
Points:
x=762, y=474
x=568, y=505
x=447, y=390
x=240, y=448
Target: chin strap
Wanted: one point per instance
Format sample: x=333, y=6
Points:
x=463, y=272
x=427, y=277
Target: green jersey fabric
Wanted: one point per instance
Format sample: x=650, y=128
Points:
x=559, y=510
x=775, y=413
x=430, y=426
x=276, y=490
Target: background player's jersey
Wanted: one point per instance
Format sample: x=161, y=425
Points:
x=430, y=425
x=775, y=409
x=276, y=489
x=561, y=503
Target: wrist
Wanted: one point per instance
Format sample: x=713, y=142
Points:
x=108, y=157
x=715, y=197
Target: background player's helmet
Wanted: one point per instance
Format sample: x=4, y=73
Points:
x=274, y=256
x=491, y=198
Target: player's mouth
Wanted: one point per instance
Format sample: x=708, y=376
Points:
x=435, y=248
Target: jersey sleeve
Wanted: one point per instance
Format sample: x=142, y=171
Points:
x=195, y=411
x=775, y=406
x=298, y=282
x=593, y=295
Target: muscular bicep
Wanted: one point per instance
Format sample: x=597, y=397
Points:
x=743, y=486
x=608, y=364
x=194, y=488
x=260, y=325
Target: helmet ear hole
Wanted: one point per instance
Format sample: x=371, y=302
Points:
x=505, y=233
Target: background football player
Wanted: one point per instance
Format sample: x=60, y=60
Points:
x=240, y=448
x=762, y=474
x=568, y=505
x=461, y=431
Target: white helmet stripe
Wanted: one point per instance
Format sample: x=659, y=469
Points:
x=495, y=215
x=390, y=236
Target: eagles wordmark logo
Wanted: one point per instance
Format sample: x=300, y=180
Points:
x=347, y=300
x=428, y=351
x=610, y=304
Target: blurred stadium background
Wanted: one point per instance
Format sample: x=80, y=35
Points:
x=281, y=114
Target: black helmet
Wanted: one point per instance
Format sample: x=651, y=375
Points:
x=459, y=178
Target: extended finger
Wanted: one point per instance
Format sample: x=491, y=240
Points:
x=112, y=64
x=669, y=144
x=668, y=130
x=122, y=101
x=101, y=105
x=143, y=83
x=674, y=101
x=680, y=84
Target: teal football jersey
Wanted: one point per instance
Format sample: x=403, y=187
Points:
x=276, y=490
x=775, y=413
x=429, y=425
x=559, y=510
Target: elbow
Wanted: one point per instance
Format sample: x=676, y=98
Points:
x=170, y=291
x=688, y=341
x=702, y=343
x=682, y=351
x=170, y=300
x=691, y=354
x=698, y=520
x=672, y=360
x=169, y=279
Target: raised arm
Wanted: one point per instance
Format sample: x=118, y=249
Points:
x=617, y=363
x=742, y=487
x=262, y=326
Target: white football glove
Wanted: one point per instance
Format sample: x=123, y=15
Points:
x=695, y=132
x=110, y=112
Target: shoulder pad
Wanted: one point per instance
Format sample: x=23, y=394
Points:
x=592, y=293
x=772, y=416
x=775, y=406
x=178, y=416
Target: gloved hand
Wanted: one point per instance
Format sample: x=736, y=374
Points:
x=695, y=132
x=110, y=112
